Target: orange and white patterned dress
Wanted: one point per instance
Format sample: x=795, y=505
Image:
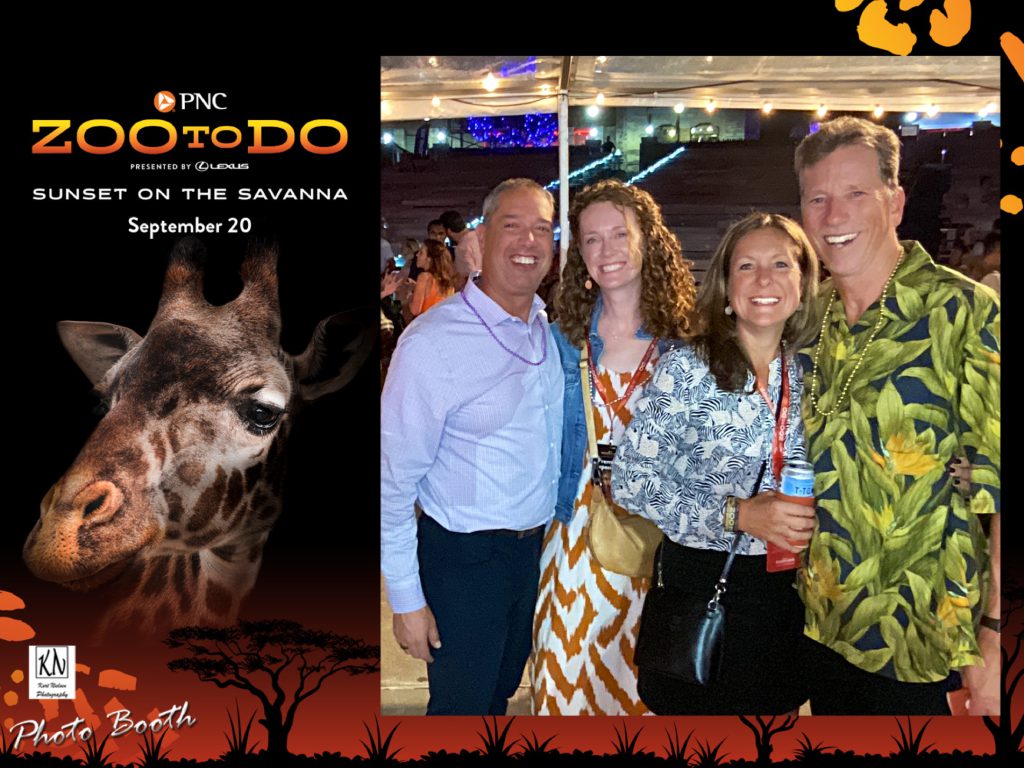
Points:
x=587, y=619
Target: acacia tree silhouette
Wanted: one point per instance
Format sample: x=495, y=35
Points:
x=1007, y=735
x=764, y=732
x=281, y=663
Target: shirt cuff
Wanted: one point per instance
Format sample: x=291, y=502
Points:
x=406, y=597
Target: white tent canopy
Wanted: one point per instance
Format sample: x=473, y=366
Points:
x=438, y=87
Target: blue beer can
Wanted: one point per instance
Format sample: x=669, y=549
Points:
x=797, y=480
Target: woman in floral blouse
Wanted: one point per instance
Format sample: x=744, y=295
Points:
x=703, y=455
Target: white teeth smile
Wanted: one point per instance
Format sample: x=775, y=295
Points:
x=528, y=260
x=764, y=300
x=612, y=267
x=839, y=239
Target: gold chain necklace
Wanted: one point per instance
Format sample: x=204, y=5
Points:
x=864, y=352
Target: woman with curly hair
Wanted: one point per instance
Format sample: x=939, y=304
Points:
x=626, y=291
x=702, y=459
x=436, y=280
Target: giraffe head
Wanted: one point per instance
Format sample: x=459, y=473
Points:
x=184, y=469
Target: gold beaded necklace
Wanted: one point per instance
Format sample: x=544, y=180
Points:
x=864, y=352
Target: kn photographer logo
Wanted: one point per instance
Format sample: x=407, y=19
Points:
x=51, y=672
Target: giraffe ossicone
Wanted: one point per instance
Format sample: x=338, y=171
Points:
x=174, y=494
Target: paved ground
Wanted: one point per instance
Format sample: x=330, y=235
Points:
x=403, y=679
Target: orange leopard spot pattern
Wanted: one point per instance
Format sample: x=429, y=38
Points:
x=15, y=631
x=112, y=678
x=113, y=705
x=11, y=698
x=51, y=708
x=1014, y=50
x=878, y=32
x=17, y=676
x=10, y=601
x=947, y=27
x=1011, y=204
x=85, y=711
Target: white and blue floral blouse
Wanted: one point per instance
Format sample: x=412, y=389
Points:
x=690, y=445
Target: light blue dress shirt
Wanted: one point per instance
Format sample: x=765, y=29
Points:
x=468, y=431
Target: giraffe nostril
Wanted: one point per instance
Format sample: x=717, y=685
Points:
x=94, y=505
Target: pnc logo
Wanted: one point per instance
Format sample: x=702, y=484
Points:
x=164, y=101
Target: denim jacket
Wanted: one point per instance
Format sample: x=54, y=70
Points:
x=574, y=425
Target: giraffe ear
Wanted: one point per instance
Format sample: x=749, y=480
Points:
x=339, y=347
x=96, y=347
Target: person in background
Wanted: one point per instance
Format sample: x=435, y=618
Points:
x=436, y=280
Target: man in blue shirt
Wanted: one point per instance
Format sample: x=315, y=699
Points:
x=471, y=418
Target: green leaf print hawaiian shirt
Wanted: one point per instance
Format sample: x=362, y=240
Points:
x=898, y=566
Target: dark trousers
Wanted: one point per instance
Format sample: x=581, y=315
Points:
x=840, y=688
x=482, y=589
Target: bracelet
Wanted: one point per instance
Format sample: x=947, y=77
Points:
x=731, y=514
x=990, y=622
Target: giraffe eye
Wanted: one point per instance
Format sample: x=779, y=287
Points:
x=259, y=418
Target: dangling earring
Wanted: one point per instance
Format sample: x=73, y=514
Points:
x=589, y=285
x=728, y=309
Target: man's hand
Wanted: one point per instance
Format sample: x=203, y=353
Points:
x=783, y=523
x=983, y=682
x=416, y=633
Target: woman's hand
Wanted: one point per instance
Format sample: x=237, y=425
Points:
x=390, y=283
x=783, y=523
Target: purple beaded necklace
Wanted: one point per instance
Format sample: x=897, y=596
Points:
x=516, y=355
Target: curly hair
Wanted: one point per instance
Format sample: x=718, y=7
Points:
x=715, y=335
x=667, y=287
x=440, y=265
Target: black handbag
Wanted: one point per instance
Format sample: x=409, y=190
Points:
x=682, y=635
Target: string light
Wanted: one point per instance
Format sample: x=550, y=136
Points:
x=655, y=166
x=552, y=185
x=649, y=129
x=678, y=108
x=386, y=138
x=710, y=108
x=490, y=82
x=593, y=133
x=767, y=107
x=932, y=110
x=821, y=110
x=910, y=117
x=435, y=102
x=600, y=98
x=442, y=137
x=878, y=112
x=593, y=111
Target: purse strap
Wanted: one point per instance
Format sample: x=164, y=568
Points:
x=588, y=412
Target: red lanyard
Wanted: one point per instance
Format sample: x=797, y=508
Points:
x=633, y=382
x=781, y=420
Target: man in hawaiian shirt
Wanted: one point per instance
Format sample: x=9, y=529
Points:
x=901, y=586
